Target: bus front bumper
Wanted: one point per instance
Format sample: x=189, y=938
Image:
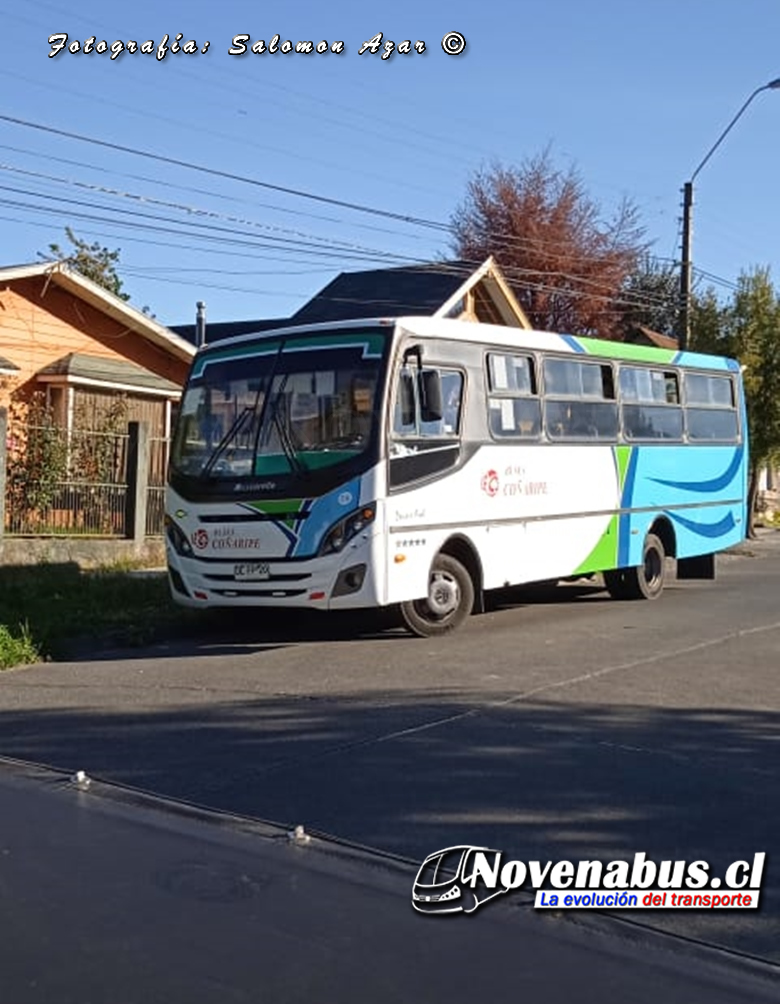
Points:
x=339, y=581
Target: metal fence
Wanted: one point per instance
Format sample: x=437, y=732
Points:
x=82, y=508
x=77, y=483
x=155, y=488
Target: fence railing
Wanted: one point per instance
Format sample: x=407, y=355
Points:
x=81, y=482
x=155, y=486
x=74, y=508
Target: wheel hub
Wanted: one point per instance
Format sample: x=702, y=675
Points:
x=443, y=595
x=652, y=567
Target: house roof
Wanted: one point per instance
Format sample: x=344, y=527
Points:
x=384, y=292
x=431, y=289
x=7, y=367
x=90, y=292
x=97, y=370
x=642, y=333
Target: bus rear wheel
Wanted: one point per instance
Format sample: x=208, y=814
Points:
x=642, y=582
x=449, y=601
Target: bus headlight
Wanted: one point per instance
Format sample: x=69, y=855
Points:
x=339, y=535
x=176, y=536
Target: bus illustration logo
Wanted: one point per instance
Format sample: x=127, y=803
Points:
x=490, y=483
x=447, y=883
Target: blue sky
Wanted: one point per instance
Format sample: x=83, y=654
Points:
x=632, y=96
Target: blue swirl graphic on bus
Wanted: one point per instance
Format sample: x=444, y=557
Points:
x=710, y=530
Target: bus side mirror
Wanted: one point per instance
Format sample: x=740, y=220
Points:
x=406, y=399
x=431, y=405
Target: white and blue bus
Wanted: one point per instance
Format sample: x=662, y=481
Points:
x=419, y=462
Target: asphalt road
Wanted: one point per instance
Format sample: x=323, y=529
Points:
x=560, y=725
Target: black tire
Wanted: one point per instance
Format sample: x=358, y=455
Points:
x=449, y=601
x=642, y=582
x=615, y=581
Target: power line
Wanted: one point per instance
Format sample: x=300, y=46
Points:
x=201, y=191
x=229, y=175
x=524, y=277
x=537, y=245
x=178, y=207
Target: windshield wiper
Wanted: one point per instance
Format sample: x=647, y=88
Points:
x=285, y=437
x=235, y=428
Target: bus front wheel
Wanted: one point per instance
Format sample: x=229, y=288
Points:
x=449, y=601
x=642, y=582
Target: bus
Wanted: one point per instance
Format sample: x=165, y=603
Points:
x=421, y=462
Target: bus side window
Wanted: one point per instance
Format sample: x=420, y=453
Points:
x=514, y=408
x=580, y=401
x=451, y=395
x=419, y=449
x=407, y=420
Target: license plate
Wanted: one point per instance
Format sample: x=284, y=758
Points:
x=251, y=571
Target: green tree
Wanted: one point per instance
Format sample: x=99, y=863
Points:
x=710, y=330
x=651, y=297
x=566, y=264
x=37, y=466
x=94, y=261
x=754, y=338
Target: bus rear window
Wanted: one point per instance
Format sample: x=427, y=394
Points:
x=710, y=412
x=715, y=424
x=709, y=391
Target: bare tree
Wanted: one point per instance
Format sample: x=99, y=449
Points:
x=566, y=265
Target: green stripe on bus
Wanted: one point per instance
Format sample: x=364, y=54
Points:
x=289, y=508
x=373, y=344
x=622, y=457
x=233, y=353
x=604, y=554
x=622, y=350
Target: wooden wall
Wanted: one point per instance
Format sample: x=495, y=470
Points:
x=41, y=323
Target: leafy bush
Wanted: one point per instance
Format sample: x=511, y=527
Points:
x=17, y=649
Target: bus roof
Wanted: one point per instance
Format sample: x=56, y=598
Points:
x=498, y=335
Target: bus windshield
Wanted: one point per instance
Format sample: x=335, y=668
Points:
x=279, y=407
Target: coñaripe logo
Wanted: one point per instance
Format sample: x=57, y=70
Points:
x=490, y=483
x=459, y=879
x=200, y=539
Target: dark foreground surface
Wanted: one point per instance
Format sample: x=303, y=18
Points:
x=108, y=896
x=558, y=726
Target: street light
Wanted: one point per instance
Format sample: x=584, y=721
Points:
x=686, y=269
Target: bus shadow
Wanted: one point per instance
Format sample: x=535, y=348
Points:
x=249, y=631
x=234, y=632
x=545, y=593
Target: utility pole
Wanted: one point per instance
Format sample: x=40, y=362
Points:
x=686, y=268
